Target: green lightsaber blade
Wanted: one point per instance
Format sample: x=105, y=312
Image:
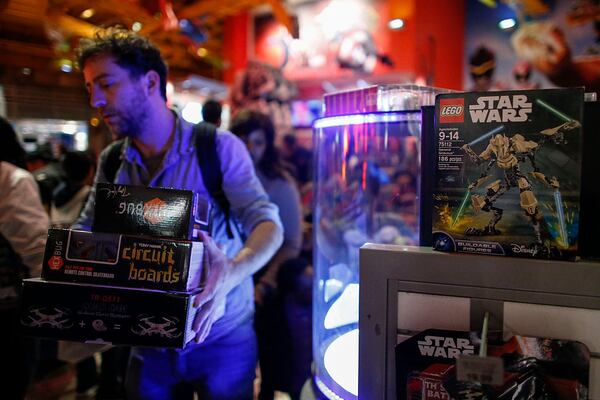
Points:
x=553, y=110
x=461, y=209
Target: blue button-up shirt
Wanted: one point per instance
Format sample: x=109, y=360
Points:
x=250, y=204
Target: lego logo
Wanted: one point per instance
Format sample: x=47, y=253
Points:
x=55, y=263
x=452, y=110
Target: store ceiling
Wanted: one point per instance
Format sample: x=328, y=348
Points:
x=40, y=35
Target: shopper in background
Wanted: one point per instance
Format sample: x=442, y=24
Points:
x=257, y=131
x=47, y=172
x=211, y=112
x=23, y=230
x=125, y=76
x=71, y=194
x=299, y=157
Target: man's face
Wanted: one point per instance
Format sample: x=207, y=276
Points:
x=119, y=97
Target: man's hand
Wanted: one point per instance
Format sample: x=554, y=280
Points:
x=210, y=303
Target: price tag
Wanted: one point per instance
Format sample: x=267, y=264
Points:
x=485, y=370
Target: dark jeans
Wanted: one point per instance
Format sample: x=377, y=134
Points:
x=220, y=370
x=19, y=356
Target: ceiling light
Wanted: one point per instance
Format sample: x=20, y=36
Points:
x=26, y=71
x=507, y=23
x=396, y=23
x=136, y=26
x=66, y=65
x=85, y=14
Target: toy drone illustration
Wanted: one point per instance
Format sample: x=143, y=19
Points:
x=53, y=317
x=167, y=327
x=508, y=154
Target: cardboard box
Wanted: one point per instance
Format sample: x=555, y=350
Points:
x=427, y=367
x=138, y=210
x=508, y=173
x=104, y=314
x=122, y=260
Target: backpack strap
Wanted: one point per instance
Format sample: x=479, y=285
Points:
x=210, y=167
x=113, y=161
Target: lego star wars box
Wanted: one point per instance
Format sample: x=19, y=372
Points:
x=508, y=173
x=104, y=314
x=530, y=368
x=122, y=260
x=139, y=210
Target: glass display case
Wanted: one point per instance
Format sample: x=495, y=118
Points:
x=367, y=177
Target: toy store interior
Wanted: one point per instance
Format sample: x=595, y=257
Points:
x=416, y=213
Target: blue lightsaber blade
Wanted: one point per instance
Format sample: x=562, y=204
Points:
x=487, y=135
x=561, y=217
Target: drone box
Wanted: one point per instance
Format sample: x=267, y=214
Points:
x=160, y=212
x=508, y=173
x=104, y=314
x=122, y=260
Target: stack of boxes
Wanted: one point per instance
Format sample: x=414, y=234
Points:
x=132, y=280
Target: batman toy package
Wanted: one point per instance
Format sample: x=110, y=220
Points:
x=160, y=212
x=122, y=260
x=104, y=314
x=532, y=368
x=508, y=173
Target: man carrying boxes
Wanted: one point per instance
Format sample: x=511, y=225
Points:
x=126, y=79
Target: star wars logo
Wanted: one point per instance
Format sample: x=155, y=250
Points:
x=445, y=347
x=515, y=108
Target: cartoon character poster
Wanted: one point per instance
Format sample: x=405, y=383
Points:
x=554, y=43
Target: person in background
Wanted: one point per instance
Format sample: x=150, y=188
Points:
x=71, y=194
x=47, y=172
x=257, y=131
x=126, y=79
x=23, y=230
x=211, y=112
x=299, y=158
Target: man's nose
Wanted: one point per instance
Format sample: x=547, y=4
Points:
x=97, y=99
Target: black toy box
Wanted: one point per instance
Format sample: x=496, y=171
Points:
x=508, y=173
x=139, y=210
x=528, y=368
x=104, y=314
x=122, y=260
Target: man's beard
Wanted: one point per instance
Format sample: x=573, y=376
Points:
x=132, y=120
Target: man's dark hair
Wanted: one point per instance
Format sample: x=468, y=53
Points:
x=76, y=166
x=211, y=111
x=130, y=51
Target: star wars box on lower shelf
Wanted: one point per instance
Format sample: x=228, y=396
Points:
x=122, y=260
x=104, y=314
x=427, y=367
x=508, y=173
x=161, y=212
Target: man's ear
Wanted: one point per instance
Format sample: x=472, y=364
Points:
x=152, y=83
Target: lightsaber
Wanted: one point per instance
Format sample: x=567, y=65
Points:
x=561, y=217
x=554, y=111
x=461, y=208
x=487, y=135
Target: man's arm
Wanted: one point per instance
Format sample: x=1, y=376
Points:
x=225, y=274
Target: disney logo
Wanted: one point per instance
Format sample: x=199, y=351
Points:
x=116, y=191
x=522, y=249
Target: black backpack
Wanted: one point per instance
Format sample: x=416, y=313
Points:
x=205, y=135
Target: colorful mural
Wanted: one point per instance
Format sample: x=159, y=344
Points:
x=552, y=43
